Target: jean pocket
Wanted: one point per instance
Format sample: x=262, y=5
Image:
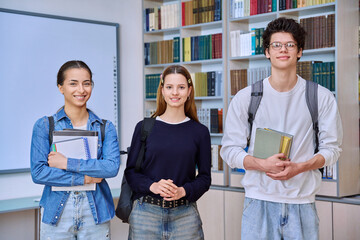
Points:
x=134, y=206
x=247, y=203
x=194, y=207
x=313, y=207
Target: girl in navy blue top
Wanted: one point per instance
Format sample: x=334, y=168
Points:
x=75, y=214
x=168, y=185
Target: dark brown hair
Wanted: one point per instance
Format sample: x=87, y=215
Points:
x=286, y=25
x=69, y=65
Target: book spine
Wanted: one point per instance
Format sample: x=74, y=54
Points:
x=183, y=14
x=208, y=79
x=274, y=6
x=86, y=148
x=332, y=76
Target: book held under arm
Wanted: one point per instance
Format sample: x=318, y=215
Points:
x=269, y=142
x=79, y=144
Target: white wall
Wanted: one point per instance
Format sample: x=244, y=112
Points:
x=128, y=14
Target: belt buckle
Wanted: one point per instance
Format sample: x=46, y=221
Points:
x=168, y=204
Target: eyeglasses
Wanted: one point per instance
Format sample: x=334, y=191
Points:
x=278, y=45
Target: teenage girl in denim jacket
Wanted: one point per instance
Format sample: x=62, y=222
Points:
x=75, y=214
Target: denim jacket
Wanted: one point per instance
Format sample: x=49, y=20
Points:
x=105, y=166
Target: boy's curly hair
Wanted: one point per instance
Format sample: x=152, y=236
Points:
x=286, y=25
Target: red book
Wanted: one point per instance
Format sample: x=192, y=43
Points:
x=253, y=7
x=216, y=52
x=218, y=40
x=288, y=4
x=220, y=45
x=220, y=114
x=269, y=6
x=213, y=52
x=259, y=6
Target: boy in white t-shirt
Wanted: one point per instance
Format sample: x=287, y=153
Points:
x=280, y=195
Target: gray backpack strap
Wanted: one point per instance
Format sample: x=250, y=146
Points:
x=311, y=95
x=51, y=129
x=256, y=95
x=102, y=130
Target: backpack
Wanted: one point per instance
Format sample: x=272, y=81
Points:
x=311, y=96
x=125, y=202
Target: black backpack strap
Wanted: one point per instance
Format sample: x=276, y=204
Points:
x=311, y=95
x=256, y=95
x=146, y=128
x=51, y=129
x=102, y=129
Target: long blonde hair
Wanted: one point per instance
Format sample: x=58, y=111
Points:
x=190, y=107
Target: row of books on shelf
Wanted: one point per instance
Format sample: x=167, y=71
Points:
x=151, y=85
x=329, y=172
x=246, y=43
x=167, y=51
x=245, y=8
x=238, y=170
x=200, y=11
x=322, y=73
x=320, y=31
x=166, y=16
x=207, y=84
x=241, y=78
x=216, y=160
x=212, y=118
x=290, y=4
x=202, y=47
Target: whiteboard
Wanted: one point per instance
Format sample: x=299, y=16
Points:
x=32, y=49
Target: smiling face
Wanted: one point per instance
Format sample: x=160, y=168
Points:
x=76, y=87
x=175, y=90
x=285, y=57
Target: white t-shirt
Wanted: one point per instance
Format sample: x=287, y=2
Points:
x=286, y=112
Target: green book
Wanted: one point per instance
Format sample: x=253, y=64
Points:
x=332, y=76
x=269, y=142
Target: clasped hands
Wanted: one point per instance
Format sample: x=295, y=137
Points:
x=168, y=190
x=278, y=167
x=58, y=160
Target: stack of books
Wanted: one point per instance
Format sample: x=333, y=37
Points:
x=269, y=142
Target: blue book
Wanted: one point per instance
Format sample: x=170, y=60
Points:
x=193, y=48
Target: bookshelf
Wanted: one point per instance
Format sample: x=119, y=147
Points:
x=194, y=38
x=343, y=54
x=343, y=179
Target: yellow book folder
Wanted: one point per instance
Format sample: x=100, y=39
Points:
x=269, y=142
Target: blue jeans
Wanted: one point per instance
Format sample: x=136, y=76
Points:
x=270, y=220
x=151, y=222
x=76, y=222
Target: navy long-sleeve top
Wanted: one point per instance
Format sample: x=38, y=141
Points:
x=172, y=152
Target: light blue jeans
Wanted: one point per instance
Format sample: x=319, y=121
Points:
x=275, y=221
x=76, y=222
x=151, y=222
